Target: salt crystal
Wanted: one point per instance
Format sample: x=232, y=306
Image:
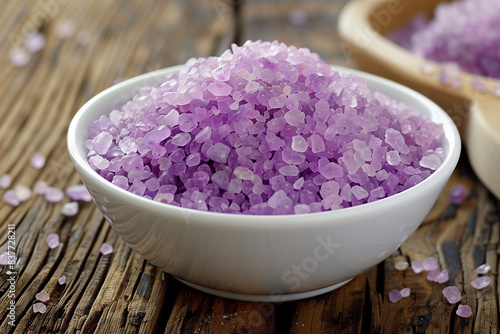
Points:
x=433, y=275
x=42, y=296
x=23, y=193
x=219, y=89
x=218, y=153
x=52, y=240
x=464, y=311
x=10, y=197
x=106, y=249
x=78, y=192
x=299, y=144
x=443, y=277
x=417, y=266
x=393, y=158
x=39, y=308
x=483, y=269
x=405, y=292
x=53, y=195
x=431, y=161
x=395, y=296
x=481, y=282
x=5, y=181
x=452, y=294
x=359, y=192
x=62, y=280
x=65, y=29
x=298, y=17
x=457, y=194
x=34, y=42
x=37, y=160
x=19, y=57
x=401, y=265
x=7, y=258
x=430, y=264
x=69, y=209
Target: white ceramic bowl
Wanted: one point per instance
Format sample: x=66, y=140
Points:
x=262, y=258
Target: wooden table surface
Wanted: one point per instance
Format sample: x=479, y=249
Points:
x=120, y=292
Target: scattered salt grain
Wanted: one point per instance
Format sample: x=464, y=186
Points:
x=52, y=240
x=37, y=160
x=42, y=296
x=65, y=29
x=78, y=192
x=430, y=263
x=438, y=276
x=5, y=181
x=106, y=249
x=62, y=280
x=483, y=269
x=40, y=187
x=481, y=282
x=405, y=292
x=19, y=57
x=457, y=194
x=395, y=296
x=34, y=42
x=39, y=308
x=401, y=265
x=69, y=209
x=417, y=266
x=464, y=311
x=298, y=17
x=53, y=195
x=10, y=197
x=452, y=294
x=7, y=256
x=23, y=193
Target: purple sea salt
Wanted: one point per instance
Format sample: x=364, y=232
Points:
x=42, y=296
x=19, y=57
x=464, y=311
x=70, y=209
x=65, y=29
x=52, y=240
x=40, y=187
x=263, y=129
x=438, y=276
x=457, y=194
x=430, y=264
x=395, y=296
x=34, y=42
x=37, y=160
x=23, y=193
x=7, y=258
x=483, y=269
x=53, y=195
x=481, y=282
x=39, y=308
x=417, y=266
x=78, y=192
x=401, y=265
x=463, y=32
x=405, y=292
x=106, y=249
x=5, y=181
x=62, y=280
x=452, y=294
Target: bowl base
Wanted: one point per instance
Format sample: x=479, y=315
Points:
x=276, y=298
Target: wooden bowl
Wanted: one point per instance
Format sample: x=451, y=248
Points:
x=363, y=25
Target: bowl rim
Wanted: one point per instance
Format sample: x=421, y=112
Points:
x=444, y=171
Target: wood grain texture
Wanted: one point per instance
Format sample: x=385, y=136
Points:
x=120, y=292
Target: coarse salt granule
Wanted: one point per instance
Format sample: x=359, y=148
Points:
x=483, y=269
x=7, y=258
x=23, y=192
x=405, y=292
x=5, y=181
x=53, y=195
x=106, y=249
x=481, y=282
x=69, y=209
x=457, y=194
x=42, y=296
x=62, y=280
x=264, y=129
x=37, y=160
x=34, y=42
x=19, y=57
x=78, y=192
x=395, y=296
x=452, y=294
x=40, y=187
x=39, y=308
x=430, y=264
x=52, y=240
x=401, y=265
x=464, y=311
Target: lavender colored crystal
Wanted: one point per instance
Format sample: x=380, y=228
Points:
x=263, y=129
x=452, y=294
x=457, y=194
x=417, y=266
x=40, y=187
x=483, y=269
x=401, y=265
x=23, y=193
x=39, y=308
x=70, y=209
x=430, y=264
x=62, y=280
x=395, y=296
x=106, y=249
x=78, y=192
x=481, y=282
x=19, y=57
x=42, y=296
x=10, y=197
x=37, y=160
x=5, y=181
x=52, y=240
x=405, y=292
x=464, y=311
x=53, y=194
x=7, y=258
x=463, y=32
